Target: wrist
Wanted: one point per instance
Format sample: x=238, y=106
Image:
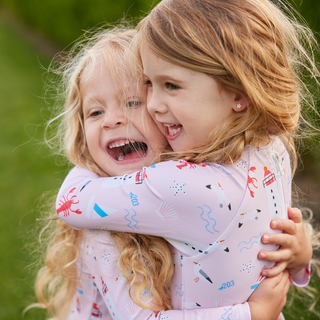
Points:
x=294, y=271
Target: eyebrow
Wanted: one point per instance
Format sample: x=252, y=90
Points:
x=165, y=77
x=86, y=103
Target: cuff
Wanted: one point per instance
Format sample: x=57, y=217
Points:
x=302, y=278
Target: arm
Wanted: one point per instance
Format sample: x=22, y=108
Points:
x=101, y=257
x=295, y=249
x=164, y=201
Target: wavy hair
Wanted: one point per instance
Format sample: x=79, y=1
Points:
x=252, y=48
x=143, y=259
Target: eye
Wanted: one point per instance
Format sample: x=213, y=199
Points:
x=96, y=113
x=171, y=86
x=148, y=83
x=133, y=103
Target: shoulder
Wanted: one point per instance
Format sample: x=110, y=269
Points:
x=98, y=236
x=82, y=173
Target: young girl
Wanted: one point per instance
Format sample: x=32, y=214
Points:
x=101, y=64
x=100, y=91
x=225, y=92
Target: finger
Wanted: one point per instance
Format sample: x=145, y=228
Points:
x=282, y=239
x=285, y=281
x=275, y=256
x=272, y=282
x=288, y=284
x=295, y=215
x=285, y=225
x=275, y=270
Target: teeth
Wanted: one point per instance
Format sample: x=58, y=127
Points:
x=119, y=143
x=172, y=131
x=120, y=158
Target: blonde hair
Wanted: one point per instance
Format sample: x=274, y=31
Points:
x=144, y=260
x=252, y=48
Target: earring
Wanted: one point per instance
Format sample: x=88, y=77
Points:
x=239, y=106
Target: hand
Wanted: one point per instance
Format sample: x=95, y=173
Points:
x=268, y=300
x=295, y=250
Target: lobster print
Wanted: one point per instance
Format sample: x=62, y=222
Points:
x=66, y=203
x=252, y=181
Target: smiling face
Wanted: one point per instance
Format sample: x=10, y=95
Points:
x=186, y=105
x=120, y=139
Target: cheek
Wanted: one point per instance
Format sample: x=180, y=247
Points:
x=90, y=137
x=150, y=130
x=157, y=139
x=149, y=98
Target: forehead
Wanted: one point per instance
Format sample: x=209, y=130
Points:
x=98, y=78
x=154, y=65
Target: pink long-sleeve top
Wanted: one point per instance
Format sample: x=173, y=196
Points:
x=213, y=215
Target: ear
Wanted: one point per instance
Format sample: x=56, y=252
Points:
x=241, y=102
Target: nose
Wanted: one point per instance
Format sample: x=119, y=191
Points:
x=156, y=103
x=114, y=117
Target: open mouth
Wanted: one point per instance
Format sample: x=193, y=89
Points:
x=173, y=129
x=127, y=150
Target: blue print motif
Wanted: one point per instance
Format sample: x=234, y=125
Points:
x=179, y=290
x=251, y=240
x=208, y=223
x=132, y=217
x=134, y=199
x=227, y=285
x=227, y=313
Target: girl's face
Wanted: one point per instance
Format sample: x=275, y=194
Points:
x=119, y=141
x=185, y=104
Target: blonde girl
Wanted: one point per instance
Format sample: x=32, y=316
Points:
x=100, y=60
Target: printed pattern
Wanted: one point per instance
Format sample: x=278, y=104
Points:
x=215, y=232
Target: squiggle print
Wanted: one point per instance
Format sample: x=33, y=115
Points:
x=179, y=289
x=256, y=237
x=129, y=224
x=227, y=313
x=222, y=168
x=208, y=223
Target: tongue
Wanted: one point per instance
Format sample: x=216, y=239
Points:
x=132, y=155
x=128, y=152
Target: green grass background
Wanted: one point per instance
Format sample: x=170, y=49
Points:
x=27, y=170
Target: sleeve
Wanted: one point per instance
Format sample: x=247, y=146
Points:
x=102, y=257
x=87, y=302
x=302, y=278
x=161, y=200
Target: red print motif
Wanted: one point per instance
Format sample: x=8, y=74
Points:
x=66, y=203
x=185, y=164
x=252, y=181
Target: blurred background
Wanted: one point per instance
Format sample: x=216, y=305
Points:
x=31, y=33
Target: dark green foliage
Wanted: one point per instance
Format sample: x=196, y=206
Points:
x=64, y=20
x=310, y=11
